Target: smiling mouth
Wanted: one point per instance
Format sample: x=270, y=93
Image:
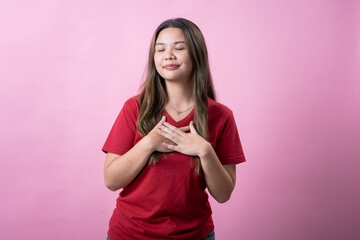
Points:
x=171, y=66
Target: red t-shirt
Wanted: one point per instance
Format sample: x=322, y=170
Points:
x=168, y=200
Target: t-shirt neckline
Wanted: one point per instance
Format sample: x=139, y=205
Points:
x=185, y=119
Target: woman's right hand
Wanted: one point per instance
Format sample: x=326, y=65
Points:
x=156, y=140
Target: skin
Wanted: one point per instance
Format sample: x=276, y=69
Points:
x=119, y=171
x=220, y=179
x=170, y=48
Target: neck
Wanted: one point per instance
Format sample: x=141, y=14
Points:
x=180, y=94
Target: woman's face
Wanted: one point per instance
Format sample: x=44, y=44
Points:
x=171, y=57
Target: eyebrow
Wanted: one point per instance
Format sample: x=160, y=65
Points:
x=174, y=43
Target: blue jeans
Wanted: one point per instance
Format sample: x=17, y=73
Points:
x=210, y=236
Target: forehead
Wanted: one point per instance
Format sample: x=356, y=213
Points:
x=170, y=35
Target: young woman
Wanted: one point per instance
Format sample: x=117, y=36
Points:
x=170, y=143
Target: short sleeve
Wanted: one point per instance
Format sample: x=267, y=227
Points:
x=122, y=134
x=228, y=146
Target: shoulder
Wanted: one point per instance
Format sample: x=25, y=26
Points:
x=131, y=107
x=133, y=102
x=221, y=122
x=218, y=109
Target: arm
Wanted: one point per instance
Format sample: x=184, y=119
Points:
x=120, y=170
x=220, y=179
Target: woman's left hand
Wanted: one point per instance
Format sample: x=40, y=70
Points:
x=186, y=143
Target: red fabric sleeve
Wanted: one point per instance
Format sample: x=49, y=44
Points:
x=122, y=134
x=228, y=146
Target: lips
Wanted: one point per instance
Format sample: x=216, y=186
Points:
x=171, y=66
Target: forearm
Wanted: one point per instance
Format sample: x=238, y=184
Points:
x=218, y=180
x=125, y=168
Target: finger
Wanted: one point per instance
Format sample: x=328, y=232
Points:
x=173, y=128
x=164, y=139
x=192, y=127
x=168, y=136
x=185, y=129
x=169, y=131
x=162, y=120
x=169, y=146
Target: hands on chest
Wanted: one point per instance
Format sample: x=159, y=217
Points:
x=165, y=137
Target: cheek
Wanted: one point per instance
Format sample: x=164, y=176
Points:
x=189, y=64
x=157, y=63
x=187, y=61
x=158, y=59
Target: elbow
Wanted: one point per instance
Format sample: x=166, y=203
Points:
x=111, y=182
x=224, y=196
x=111, y=185
x=223, y=199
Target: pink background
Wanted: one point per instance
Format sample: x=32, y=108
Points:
x=288, y=69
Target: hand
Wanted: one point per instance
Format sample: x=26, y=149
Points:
x=186, y=143
x=156, y=139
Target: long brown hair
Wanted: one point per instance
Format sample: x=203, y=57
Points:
x=154, y=96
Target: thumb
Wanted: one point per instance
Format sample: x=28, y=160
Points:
x=192, y=127
x=162, y=120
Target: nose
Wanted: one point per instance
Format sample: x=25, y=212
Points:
x=169, y=55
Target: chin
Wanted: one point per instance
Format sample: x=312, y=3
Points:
x=170, y=77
